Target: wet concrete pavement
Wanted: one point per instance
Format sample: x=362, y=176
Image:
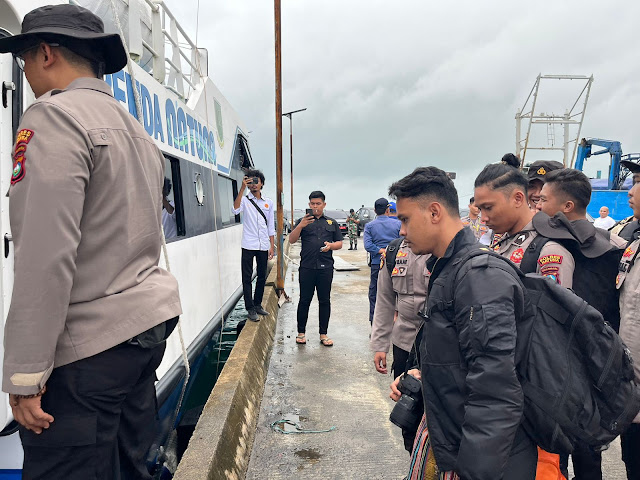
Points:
x=324, y=387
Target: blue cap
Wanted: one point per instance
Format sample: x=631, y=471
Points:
x=392, y=206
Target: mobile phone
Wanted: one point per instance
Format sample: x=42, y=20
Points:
x=309, y=212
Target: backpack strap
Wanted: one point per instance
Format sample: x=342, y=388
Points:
x=532, y=253
x=392, y=253
x=476, y=250
x=259, y=209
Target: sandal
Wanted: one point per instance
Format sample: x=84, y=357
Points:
x=300, y=339
x=326, y=341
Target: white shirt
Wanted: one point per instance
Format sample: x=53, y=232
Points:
x=256, y=232
x=606, y=222
x=169, y=222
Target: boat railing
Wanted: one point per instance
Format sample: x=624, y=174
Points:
x=156, y=41
x=186, y=64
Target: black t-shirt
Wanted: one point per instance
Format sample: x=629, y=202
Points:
x=313, y=236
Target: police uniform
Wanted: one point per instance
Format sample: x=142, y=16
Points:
x=625, y=228
x=404, y=291
x=554, y=260
x=85, y=212
x=316, y=270
x=628, y=282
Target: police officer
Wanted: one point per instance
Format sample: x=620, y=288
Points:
x=625, y=228
x=320, y=235
x=501, y=195
x=90, y=307
x=377, y=235
x=402, y=288
x=536, y=175
x=628, y=283
x=352, y=225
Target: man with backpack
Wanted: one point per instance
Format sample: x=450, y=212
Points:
x=473, y=398
x=563, y=203
x=628, y=283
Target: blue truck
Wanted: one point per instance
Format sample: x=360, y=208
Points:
x=611, y=191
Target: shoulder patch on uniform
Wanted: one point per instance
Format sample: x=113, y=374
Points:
x=23, y=137
x=552, y=272
x=516, y=256
x=547, y=259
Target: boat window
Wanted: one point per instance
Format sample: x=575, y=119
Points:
x=227, y=191
x=172, y=221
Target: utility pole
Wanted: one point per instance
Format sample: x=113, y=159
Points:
x=279, y=191
x=289, y=114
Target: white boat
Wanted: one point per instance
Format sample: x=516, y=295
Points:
x=205, y=147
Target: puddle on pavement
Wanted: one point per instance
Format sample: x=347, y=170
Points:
x=310, y=454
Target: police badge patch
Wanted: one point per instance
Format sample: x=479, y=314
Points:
x=23, y=137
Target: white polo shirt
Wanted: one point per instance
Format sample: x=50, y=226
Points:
x=256, y=232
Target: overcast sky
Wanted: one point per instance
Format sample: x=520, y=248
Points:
x=390, y=86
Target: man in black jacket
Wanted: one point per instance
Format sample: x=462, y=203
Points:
x=473, y=399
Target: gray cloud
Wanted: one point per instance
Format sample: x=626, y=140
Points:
x=392, y=86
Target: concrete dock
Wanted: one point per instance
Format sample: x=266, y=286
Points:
x=269, y=378
x=323, y=387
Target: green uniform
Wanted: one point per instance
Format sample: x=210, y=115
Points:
x=352, y=225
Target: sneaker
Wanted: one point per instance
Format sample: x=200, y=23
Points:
x=260, y=311
x=253, y=316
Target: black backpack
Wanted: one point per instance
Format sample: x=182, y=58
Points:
x=576, y=373
x=392, y=253
x=594, y=278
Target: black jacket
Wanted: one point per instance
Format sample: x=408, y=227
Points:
x=473, y=399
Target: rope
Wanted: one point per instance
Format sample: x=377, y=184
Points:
x=139, y=114
x=275, y=426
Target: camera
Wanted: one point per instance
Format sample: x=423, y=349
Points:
x=254, y=180
x=408, y=411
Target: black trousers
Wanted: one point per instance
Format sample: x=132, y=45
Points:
x=319, y=280
x=373, y=290
x=400, y=358
x=261, y=257
x=587, y=465
x=105, y=416
x=630, y=441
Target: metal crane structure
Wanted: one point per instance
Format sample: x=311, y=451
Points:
x=572, y=117
x=614, y=193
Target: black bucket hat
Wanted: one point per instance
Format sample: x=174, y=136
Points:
x=73, y=27
x=633, y=167
x=590, y=240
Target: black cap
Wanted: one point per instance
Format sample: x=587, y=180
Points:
x=633, y=167
x=381, y=205
x=76, y=28
x=538, y=170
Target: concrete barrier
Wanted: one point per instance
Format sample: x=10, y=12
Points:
x=221, y=444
